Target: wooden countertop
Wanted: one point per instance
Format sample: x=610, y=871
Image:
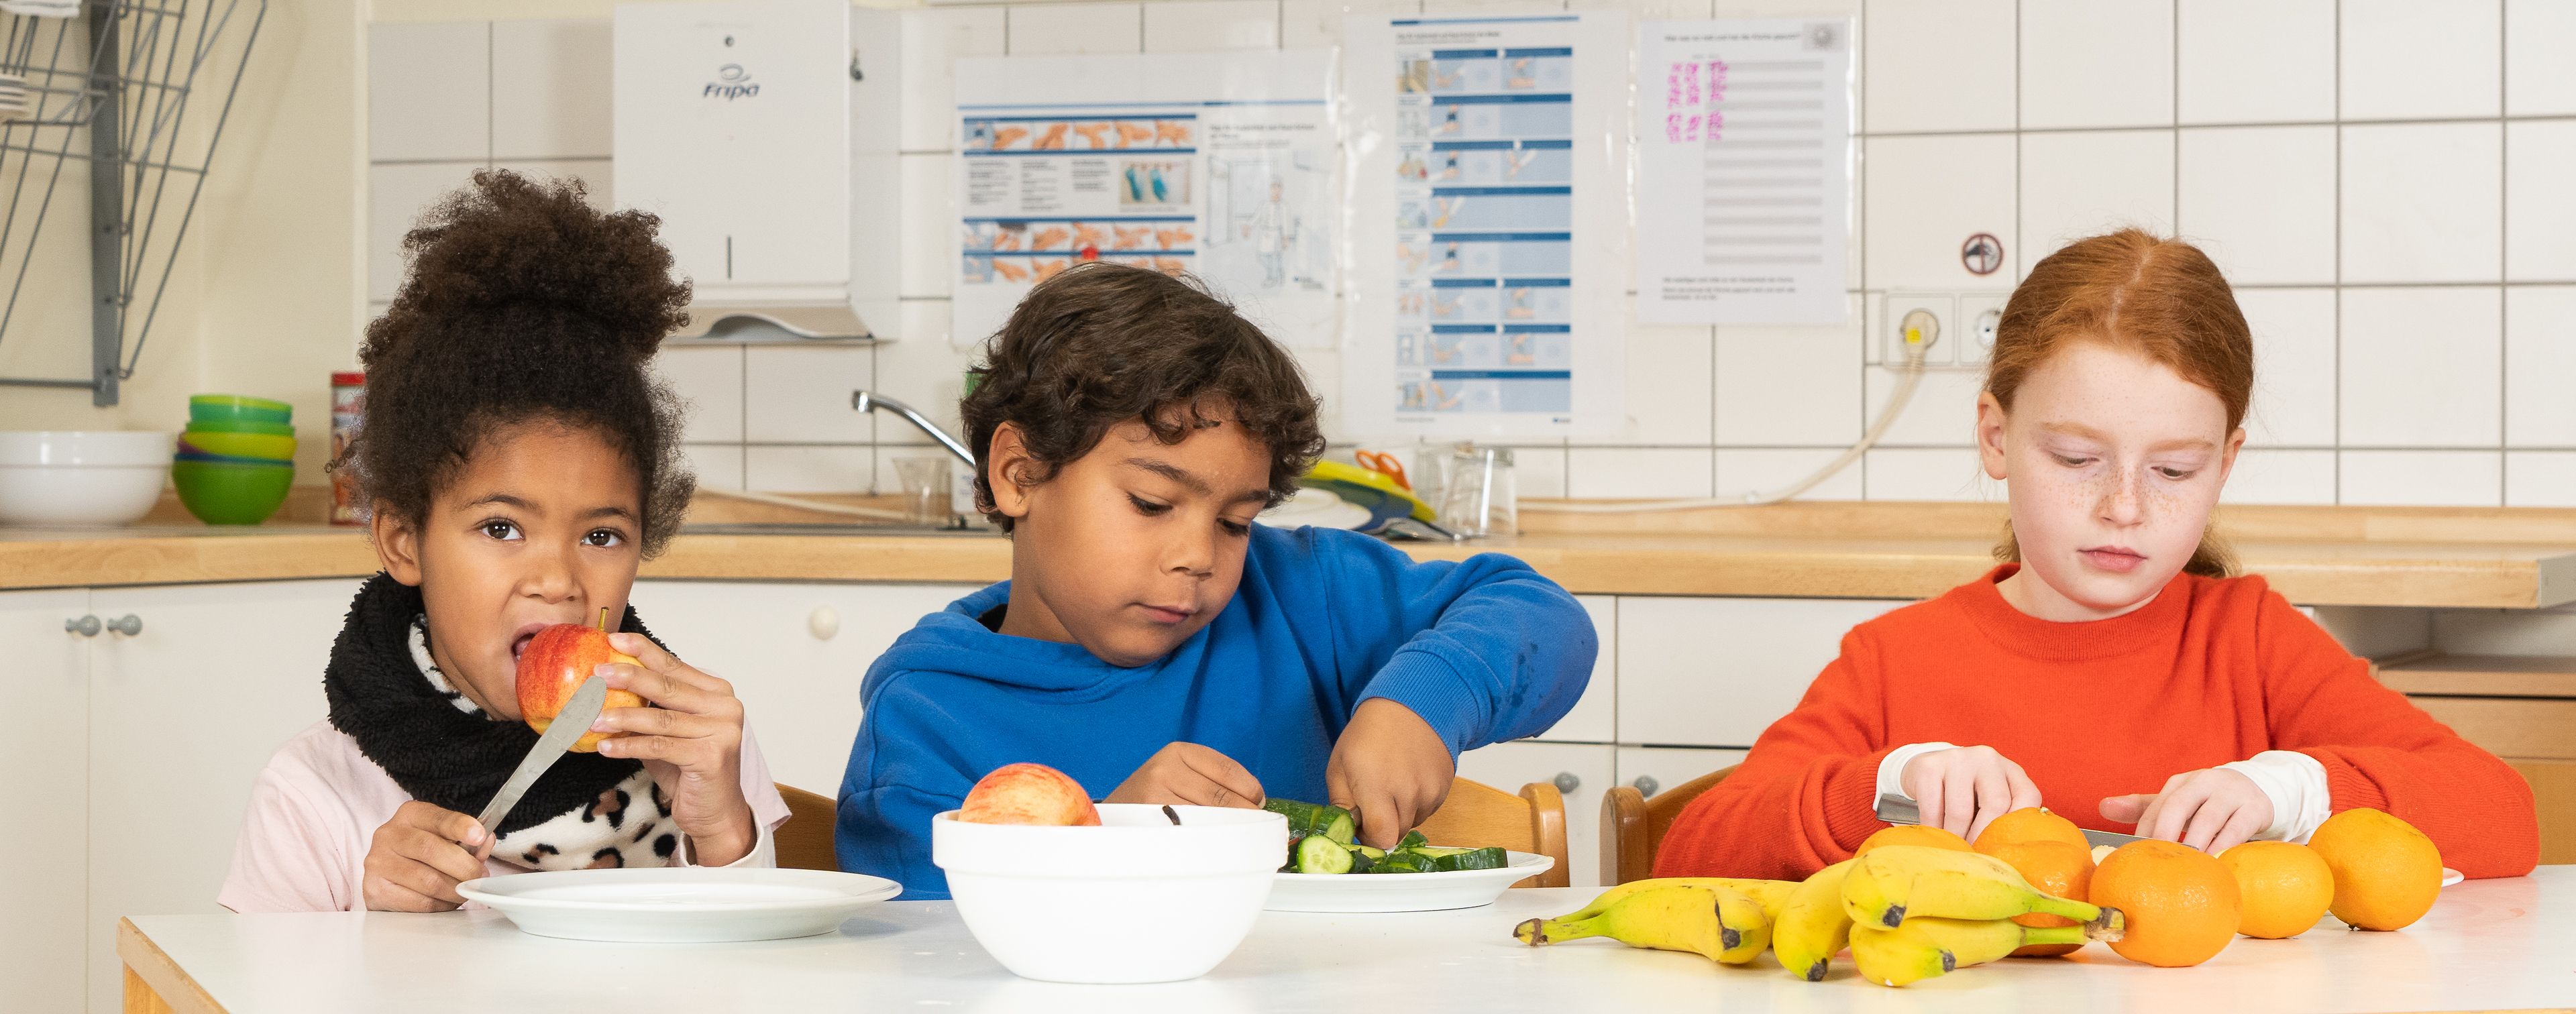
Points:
x=2516, y=558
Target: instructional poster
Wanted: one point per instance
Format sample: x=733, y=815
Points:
x=1220, y=166
x=1743, y=171
x=1487, y=225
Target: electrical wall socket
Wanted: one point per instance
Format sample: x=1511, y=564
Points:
x=1893, y=309
x=1979, y=313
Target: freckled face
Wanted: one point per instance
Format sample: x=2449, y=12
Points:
x=2114, y=463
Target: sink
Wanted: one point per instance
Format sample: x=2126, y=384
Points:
x=834, y=528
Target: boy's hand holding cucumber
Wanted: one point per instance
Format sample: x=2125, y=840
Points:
x=1389, y=768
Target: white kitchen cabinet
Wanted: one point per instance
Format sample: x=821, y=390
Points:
x=1717, y=671
x=46, y=753
x=799, y=687
x=1588, y=768
x=1653, y=769
x=1593, y=718
x=182, y=716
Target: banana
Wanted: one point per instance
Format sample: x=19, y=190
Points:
x=1812, y=927
x=1719, y=923
x=1892, y=884
x=1770, y=894
x=1922, y=947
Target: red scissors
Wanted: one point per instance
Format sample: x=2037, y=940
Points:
x=1386, y=464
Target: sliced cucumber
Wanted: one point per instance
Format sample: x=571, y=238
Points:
x=1319, y=854
x=1411, y=842
x=1372, y=853
x=1362, y=861
x=1402, y=862
x=1339, y=825
x=1488, y=858
x=1315, y=818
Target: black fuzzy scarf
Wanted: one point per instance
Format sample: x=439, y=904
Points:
x=441, y=755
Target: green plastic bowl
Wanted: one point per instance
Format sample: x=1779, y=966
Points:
x=223, y=493
x=238, y=407
x=240, y=445
x=266, y=428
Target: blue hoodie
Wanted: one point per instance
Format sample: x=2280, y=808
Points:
x=1484, y=650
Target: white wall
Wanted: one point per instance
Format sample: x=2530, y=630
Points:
x=2384, y=181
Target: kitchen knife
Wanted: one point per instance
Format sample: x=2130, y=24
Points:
x=1896, y=809
x=569, y=724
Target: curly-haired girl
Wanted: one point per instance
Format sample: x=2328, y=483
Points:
x=521, y=462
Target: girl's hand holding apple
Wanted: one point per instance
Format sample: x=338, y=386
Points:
x=690, y=736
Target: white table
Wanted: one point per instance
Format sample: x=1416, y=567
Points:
x=2488, y=945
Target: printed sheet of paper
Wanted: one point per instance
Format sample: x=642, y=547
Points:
x=1487, y=224
x=1218, y=165
x=1743, y=171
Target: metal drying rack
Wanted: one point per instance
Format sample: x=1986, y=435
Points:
x=119, y=80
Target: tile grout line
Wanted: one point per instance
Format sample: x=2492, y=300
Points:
x=2504, y=256
x=2337, y=365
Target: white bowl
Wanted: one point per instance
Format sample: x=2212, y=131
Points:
x=74, y=478
x=1133, y=900
x=85, y=447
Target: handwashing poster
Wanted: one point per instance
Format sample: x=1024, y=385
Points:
x=1487, y=231
x=1220, y=166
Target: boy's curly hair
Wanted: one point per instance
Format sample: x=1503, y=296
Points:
x=1104, y=344
x=523, y=304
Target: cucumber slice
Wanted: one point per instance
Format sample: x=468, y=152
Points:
x=1314, y=818
x=1412, y=841
x=1372, y=853
x=1488, y=858
x=1339, y=825
x=1319, y=854
x=1362, y=862
x=1402, y=862
x=1437, y=851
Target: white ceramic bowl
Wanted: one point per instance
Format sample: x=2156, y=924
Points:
x=1133, y=900
x=81, y=478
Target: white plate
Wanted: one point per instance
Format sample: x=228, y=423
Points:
x=1400, y=892
x=1316, y=507
x=2451, y=876
x=685, y=904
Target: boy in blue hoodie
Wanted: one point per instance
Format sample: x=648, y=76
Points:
x=1154, y=641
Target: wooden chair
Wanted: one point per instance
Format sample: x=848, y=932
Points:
x=1477, y=814
x=805, y=841
x=1633, y=826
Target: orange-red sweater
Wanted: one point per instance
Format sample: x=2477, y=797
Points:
x=2210, y=671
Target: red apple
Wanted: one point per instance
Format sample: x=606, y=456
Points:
x=553, y=666
x=1029, y=794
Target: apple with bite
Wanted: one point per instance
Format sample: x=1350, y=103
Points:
x=553, y=667
x=1029, y=794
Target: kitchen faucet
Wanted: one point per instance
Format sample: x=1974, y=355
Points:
x=863, y=401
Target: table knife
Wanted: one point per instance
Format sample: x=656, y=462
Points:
x=1896, y=809
x=569, y=724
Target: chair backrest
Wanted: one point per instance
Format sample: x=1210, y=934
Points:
x=805, y=841
x=1477, y=814
x=1633, y=826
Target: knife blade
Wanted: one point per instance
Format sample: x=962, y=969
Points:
x=1896, y=809
x=569, y=724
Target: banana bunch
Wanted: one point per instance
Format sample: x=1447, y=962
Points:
x=1908, y=913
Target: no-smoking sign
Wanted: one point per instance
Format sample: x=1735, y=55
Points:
x=1982, y=254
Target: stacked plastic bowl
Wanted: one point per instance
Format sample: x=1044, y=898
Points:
x=236, y=458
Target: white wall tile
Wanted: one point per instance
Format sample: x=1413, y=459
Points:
x=715, y=464
x=1667, y=389
x=2261, y=201
x=933, y=39
x=2407, y=59
x=2540, y=479
x=597, y=177
x=1637, y=472
x=709, y=378
x=925, y=370
x=2080, y=184
x=396, y=196
x=2539, y=362
x=2266, y=62
x=2422, y=478
x=1308, y=24
x=2540, y=203
x=1198, y=26
x=1926, y=196
x=2423, y=202
x=429, y=91
x=847, y=468
x=550, y=89
x=1541, y=471
x=2421, y=367
x=1953, y=70
x=2281, y=477
x=1928, y=473
x=2106, y=63
x=1050, y=28
x=2538, y=36
x=1941, y=413
x=929, y=226
x=801, y=394
x=2294, y=367
x=1789, y=385
x=1742, y=471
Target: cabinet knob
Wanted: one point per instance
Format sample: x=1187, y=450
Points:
x=1566, y=782
x=1646, y=784
x=823, y=623
x=128, y=624
x=85, y=626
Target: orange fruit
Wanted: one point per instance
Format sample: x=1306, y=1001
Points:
x=2386, y=873
x=2030, y=823
x=1912, y=834
x=2285, y=887
x=2052, y=866
x=2180, y=904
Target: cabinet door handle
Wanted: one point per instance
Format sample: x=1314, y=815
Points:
x=1647, y=784
x=85, y=626
x=128, y=624
x=1566, y=782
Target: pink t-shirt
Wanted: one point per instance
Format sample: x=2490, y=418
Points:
x=318, y=803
